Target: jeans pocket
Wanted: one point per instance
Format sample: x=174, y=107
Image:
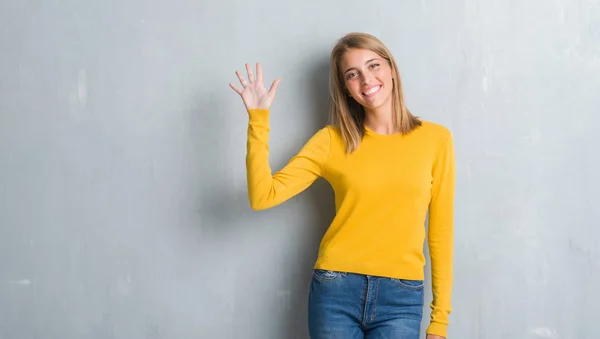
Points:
x=326, y=275
x=410, y=284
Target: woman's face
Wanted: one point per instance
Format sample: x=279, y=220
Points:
x=368, y=77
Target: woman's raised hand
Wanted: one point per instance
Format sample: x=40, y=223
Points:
x=253, y=92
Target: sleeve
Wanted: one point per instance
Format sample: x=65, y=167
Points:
x=441, y=236
x=265, y=189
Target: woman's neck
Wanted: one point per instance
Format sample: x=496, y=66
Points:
x=380, y=120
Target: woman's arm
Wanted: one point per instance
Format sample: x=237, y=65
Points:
x=265, y=189
x=441, y=236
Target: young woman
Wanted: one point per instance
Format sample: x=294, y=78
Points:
x=388, y=170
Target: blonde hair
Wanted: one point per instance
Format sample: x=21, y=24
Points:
x=347, y=114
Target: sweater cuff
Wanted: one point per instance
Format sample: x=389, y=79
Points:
x=259, y=116
x=438, y=329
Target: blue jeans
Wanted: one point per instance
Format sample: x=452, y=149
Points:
x=352, y=306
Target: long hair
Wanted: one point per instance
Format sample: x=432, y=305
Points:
x=346, y=113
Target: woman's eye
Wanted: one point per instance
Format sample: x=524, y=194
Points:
x=374, y=65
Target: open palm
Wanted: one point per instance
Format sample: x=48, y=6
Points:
x=253, y=92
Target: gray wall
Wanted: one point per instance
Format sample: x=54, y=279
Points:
x=123, y=208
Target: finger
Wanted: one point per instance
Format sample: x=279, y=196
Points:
x=274, y=86
x=259, y=76
x=250, y=74
x=238, y=91
x=241, y=77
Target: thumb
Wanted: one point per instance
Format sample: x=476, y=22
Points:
x=274, y=87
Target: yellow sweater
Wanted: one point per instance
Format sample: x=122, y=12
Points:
x=383, y=192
